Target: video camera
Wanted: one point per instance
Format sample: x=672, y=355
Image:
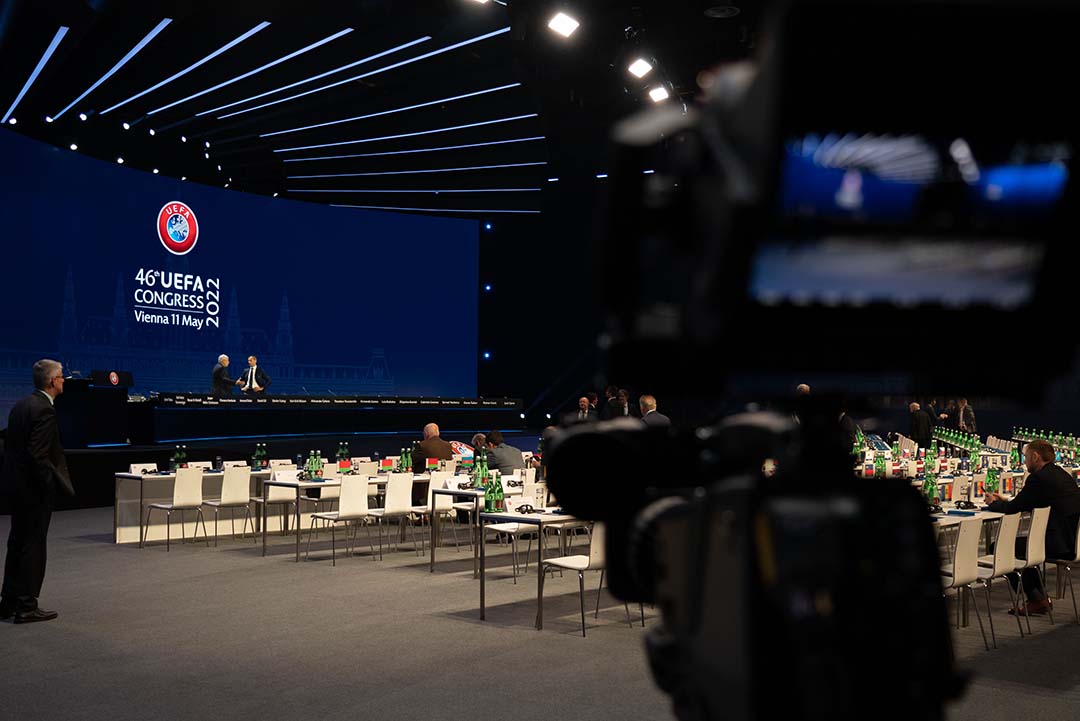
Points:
x=877, y=196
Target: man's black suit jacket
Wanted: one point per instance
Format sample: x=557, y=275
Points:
x=34, y=465
x=1050, y=486
x=922, y=428
x=221, y=384
x=261, y=379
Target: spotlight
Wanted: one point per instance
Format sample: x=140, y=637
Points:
x=553, y=180
x=183, y=177
x=82, y=117
x=522, y=416
x=219, y=168
x=275, y=195
x=48, y=118
x=640, y=68
x=487, y=287
x=120, y=161
x=487, y=355
x=73, y=146
x=658, y=94
x=183, y=138
x=480, y=1
x=207, y=144
x=11, y=121
x=226, y=185
x=487, y=226
x=563, y=24
x=152, y=131
x=125, y=125
x=601, y=176
x=155, y=171
x=548, y=416
x=206, y=155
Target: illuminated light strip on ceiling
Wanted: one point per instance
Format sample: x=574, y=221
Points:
x=468, y=190
x=418, y=58
x=397, y=110
x=249, y=73
x=131, y=53
x=415, y=172
x=431, y=210
x=320, y=76
x=420, y=150
x=37, y=70
x=408, y=135
x=261, y=26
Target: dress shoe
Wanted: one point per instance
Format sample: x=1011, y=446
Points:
x=1034, y=608
x=34, y=616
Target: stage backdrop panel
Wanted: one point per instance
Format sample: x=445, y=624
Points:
x=110, y=267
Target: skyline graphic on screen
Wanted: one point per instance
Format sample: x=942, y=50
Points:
x=114, y=268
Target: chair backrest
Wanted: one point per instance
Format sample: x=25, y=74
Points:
x=1076, y=547
x=354, y=497
x=1005, y=545
x=234, y=464
x=511, y=490
x=596, y=546
x=360, y=459
x=280, y=462
x=282, y=494
x=1036, y=545
x=140, y=469
x=966, y=558
x=442, y=502
x=529, y=475
x=236, y=486
x=398, y=493
x=448, y=466
x=330, y=472
x=366, y=468
x=187, y=490
x=526, y=455
x=535, y=494
x=205, y=465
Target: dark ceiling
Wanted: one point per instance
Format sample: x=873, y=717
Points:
x=540, y=104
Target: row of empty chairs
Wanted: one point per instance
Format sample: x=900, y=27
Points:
x=1000, y=444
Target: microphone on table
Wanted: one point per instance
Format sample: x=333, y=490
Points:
x=331, y=391
x=305, y=390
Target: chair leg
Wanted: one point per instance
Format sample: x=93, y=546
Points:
x=990, y=612
x=528, y=551
x=581, y=599
x=146, y=530
x=168, y=528
x=1042, y=577
x=199, y=515
x=183, y=532
x=598, y=588
x=978, y=615
x=333, y=544
x=453, y=526
x=370, y=544
x=514, y=556
x=641, y=607
x=216, y=509
x=311, y=531
x=247, y=517
x=232, y=523
x=1020, y=596
x=1068, y=580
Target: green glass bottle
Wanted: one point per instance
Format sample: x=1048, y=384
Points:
x=489, y=495
x=499, y=496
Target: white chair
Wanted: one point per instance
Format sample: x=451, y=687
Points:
x=331, y=494
x=1064, y=571
x=1036, y=554
x=235, y=493
x=592, y=562
x=353, y=508
x=964, y=570
x=448, y=467
x=141, y=469
x=442, y=504
x=187, y=496
x=513, y=531
x=398, y=504
x=281, y=496
x=1001, y=563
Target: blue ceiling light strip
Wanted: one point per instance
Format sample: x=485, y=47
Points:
x=432, y=210
x=416, y=172
x=408, y=135
x=37, y=70
x=419, y=150
x=261, y=26
x=320, y=76
x=249, y=73
x=123, y=61
x=396, y=110
x=469, y=190
x=418, y=58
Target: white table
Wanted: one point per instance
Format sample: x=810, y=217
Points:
x=129, y=508
x=533, y=519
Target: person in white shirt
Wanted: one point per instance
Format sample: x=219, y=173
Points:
x=253, y=381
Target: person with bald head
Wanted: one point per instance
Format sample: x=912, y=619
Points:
x=583, y=414
x=431, y=447
x=922, y=427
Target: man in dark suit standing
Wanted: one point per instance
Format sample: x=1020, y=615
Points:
x=34, y=472
x=649, y=415
x=583, y=414
x=1047, y=485
x=253, y=381
x=220, y=382
x=922, y=428
x=965, y=417
x=610, y=404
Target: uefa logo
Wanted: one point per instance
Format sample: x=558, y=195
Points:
x=177, y=228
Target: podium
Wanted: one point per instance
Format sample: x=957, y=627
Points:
x=94, y=411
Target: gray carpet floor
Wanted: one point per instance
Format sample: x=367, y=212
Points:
x=225, y=632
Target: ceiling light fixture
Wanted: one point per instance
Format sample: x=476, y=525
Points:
x=320, y=76
x=125, y=126
x=409, y=135
x=658, y=94
x=48, y=118
x=131, y=53
x=640, y=68
x=257, y=70
x=73, y=146
x=37, y=70
x=563, y=24
x=416, y=172
x=183, y=138
x=261, y=26
x=155, y=171
x=82, y=117
x=120, y=161
x=12, y=121
x=419, y=150
x=396, y=110
x=152, y=131
x=431, y=210
x=402, y=63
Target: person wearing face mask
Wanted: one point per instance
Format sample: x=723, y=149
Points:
x=1046, y=485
